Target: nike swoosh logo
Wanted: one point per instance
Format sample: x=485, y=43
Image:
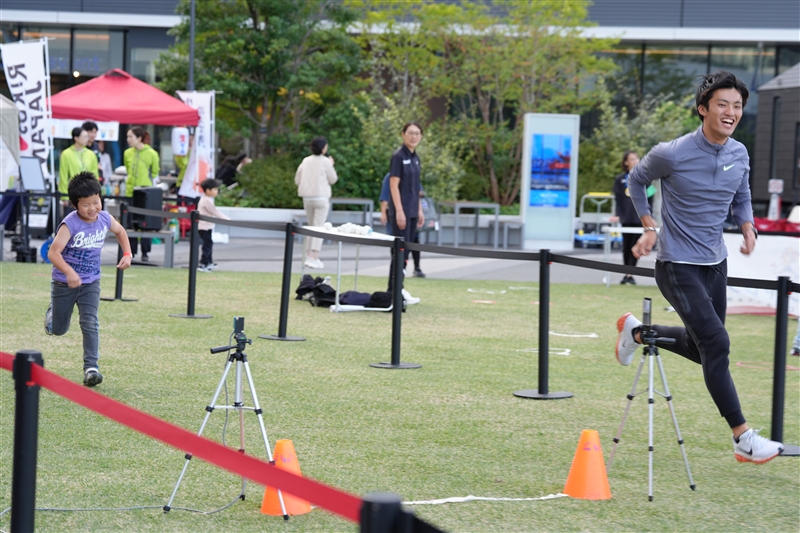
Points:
x=728, y=167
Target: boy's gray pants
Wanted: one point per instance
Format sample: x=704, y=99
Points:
x=62, y=302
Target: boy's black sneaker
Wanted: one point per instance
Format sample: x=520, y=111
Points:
x=419, y=273
x=92, y=377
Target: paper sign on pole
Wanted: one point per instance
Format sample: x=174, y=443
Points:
x=201, y=156
x=28, y=78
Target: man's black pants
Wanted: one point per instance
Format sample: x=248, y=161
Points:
x=699, y=296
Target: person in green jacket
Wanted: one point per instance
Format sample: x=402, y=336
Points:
x=74, y=160
x=142, y=164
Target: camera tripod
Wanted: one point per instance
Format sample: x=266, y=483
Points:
x=240, y=358
x=649, y=339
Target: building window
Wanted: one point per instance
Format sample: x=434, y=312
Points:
x=58, y=45
x=143, y=63
x=773, y=150
x=796, y=180
x=9, y=33
x=95, y=52
x=673, y=69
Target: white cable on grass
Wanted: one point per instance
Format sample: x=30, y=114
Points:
x=554, y=351
x=583, y=335
x=486, y=291
x=462, y=499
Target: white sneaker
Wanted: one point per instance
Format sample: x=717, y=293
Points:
x=410, y=300
x=626, y=345
x=312, y=263
x=319, y=263
x=753, y=448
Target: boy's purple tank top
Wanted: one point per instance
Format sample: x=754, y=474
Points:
x=82, y=251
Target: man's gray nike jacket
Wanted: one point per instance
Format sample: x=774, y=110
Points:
x=700, y=182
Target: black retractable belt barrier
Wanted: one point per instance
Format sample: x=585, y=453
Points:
x=194, y=243
x=26, y=436
x=123, y=215
x=382, y=512
x=286, y=287
x=779, y=370
x=397, y=308
x=543, y=392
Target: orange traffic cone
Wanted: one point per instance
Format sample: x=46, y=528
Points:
x=587, y=478
x=285, y=459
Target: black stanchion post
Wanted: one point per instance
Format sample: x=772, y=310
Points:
x=194, y=243
x=779, y=370
x=286, y=287
x=543, y=392
x=26, y=436
x=118, y=285
x=382, y=512
x=397, y=308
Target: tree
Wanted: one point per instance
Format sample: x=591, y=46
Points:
x=275, y=61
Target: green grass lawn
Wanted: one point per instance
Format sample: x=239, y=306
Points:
x=451, y=428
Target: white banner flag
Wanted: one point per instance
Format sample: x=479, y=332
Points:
x=28, y=80
x=201, y=157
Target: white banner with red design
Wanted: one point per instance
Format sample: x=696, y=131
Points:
x=28, y=78
x=201, y=156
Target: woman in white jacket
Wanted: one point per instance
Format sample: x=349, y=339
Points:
x=314, y=178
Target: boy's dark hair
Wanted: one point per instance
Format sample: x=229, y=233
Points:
x=722, y=79
x=82, y=185
x=210, y=183
x=89, y=125
x=318, y=144
x=76, y=132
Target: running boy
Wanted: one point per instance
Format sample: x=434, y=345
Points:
x=75, y=254
x=206, y=207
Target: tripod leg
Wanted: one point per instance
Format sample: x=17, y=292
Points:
x=260, y=417
x=650, y=402
x=668, y=396
x=631, y=396
x=209, y=410
x=238, y=404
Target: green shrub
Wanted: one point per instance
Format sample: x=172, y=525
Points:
x=267, y=182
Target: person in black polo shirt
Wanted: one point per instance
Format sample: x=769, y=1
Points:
x=405, y=210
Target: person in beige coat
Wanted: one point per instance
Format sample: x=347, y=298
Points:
x=314, y=178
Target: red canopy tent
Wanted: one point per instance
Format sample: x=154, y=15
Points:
x=116, y=96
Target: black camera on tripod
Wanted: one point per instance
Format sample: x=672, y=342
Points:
x=238, y=335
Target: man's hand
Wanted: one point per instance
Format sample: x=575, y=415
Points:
x=420, y=219
x=400, y=218
x=749, y=242
x=645, y=244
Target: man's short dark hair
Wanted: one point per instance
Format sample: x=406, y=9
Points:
x=89, y=126
x=318, y=144
x=82, y=185
x=209, y=184
x=722, y=79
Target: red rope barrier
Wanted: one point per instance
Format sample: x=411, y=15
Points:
x=332, y=499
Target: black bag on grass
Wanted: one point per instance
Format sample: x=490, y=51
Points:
x=379, y=300
x=306, y=287
x=323, y=295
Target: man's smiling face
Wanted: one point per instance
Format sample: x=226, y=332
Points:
x=722, y=115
